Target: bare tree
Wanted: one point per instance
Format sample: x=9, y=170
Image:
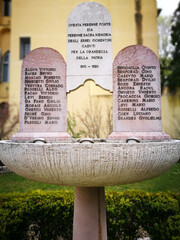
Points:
x=109, y=121
x=72, y=126
x=165, y=48
x=91, y=120
x=164, y=31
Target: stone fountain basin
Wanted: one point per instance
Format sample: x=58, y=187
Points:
x=89, y=165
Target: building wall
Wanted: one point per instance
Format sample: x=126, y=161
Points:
x=171, y=113
x=5, y=31
x=5, y=47
x=45, y=22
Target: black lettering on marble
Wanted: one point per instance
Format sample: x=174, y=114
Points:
x=135, y=82
x=88, y=35
x=39, y=94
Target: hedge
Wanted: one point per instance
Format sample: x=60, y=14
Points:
x=49, y=215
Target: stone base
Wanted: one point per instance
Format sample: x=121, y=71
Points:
x=155, y=136
x=48, y=136
x=89, y=214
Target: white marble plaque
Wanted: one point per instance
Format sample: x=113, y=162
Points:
x=89, y=46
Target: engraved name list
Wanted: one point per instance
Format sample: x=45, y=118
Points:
x=43, y=105
x=137, y=95
x=42, y=85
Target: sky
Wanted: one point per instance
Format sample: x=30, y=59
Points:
x=167, y=6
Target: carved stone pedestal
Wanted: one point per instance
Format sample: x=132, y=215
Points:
x=89, y=214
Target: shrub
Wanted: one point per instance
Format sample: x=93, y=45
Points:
x=51, y=212
x=49, y=215
x=155, y=213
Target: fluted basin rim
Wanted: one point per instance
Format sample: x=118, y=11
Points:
x=94, y=164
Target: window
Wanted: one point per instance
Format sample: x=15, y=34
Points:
x=24, y=47
x=5, y=67
x=6, y=8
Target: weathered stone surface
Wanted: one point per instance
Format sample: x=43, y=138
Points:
x=43, y=107
x=90, y=165
x=137, y=95
x=89, y=46
x=89, y=214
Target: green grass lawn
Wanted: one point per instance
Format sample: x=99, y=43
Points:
x=169, y=181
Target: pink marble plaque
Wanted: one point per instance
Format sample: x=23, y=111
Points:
x=137, y=95
x=43, y=107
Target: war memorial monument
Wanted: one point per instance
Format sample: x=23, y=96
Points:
x=136, y=150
